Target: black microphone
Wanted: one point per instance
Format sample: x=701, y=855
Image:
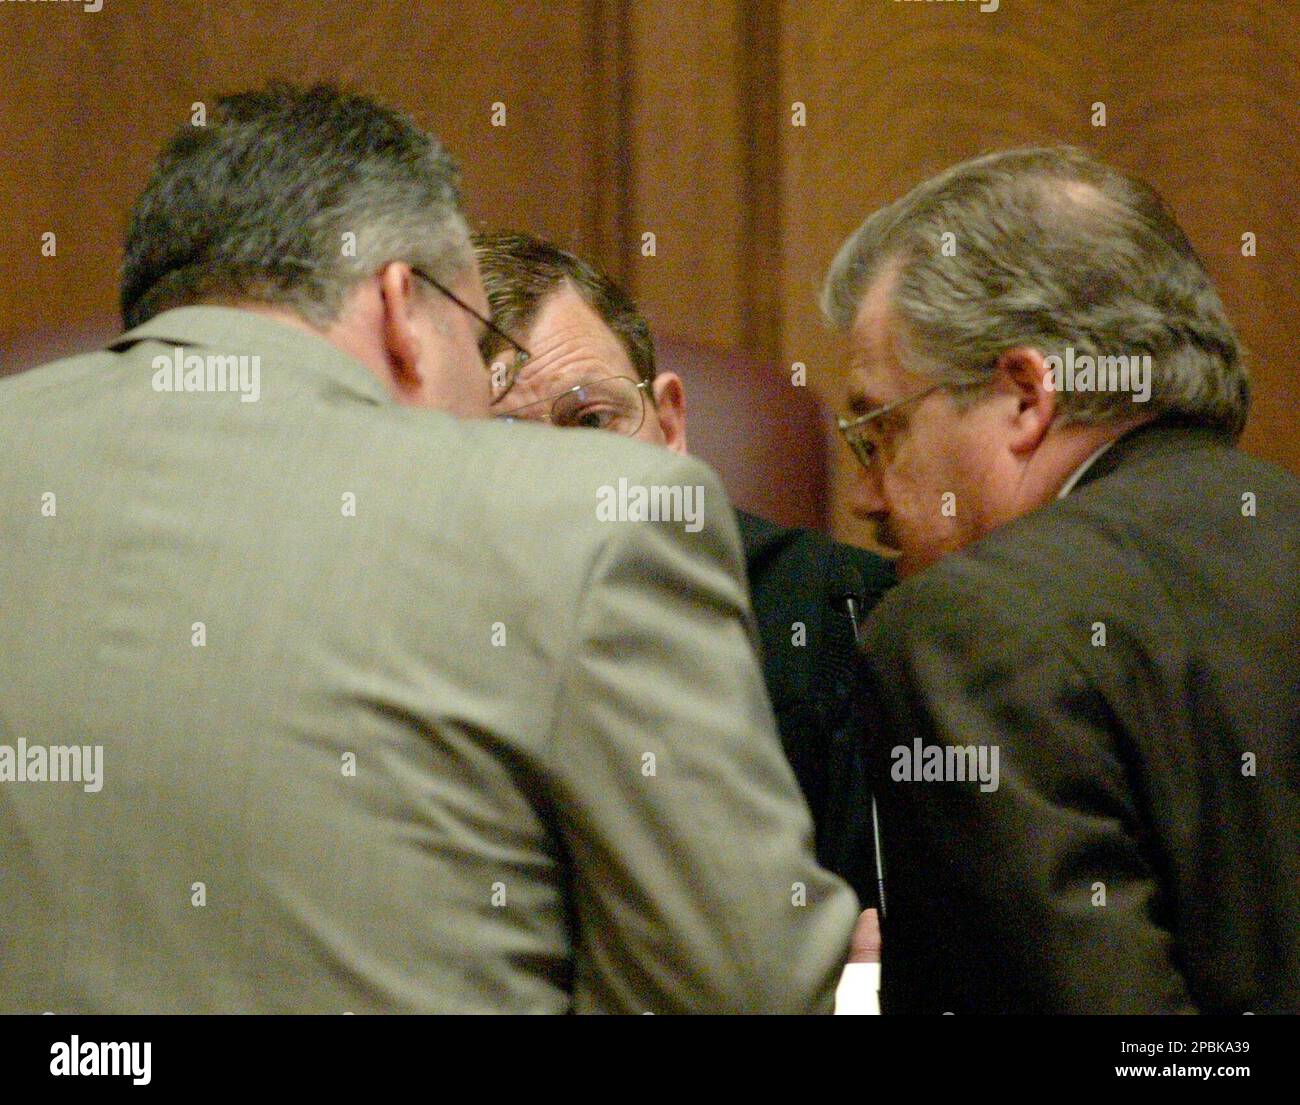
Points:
x=846, y=590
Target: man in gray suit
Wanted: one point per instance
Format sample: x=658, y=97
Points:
x=315, y=700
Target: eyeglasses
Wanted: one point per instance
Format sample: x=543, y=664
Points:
x=864, y=434
x=616, y=404
x=521, y=354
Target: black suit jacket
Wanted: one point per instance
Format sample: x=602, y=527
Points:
x=1133, y=650
x=798, y=577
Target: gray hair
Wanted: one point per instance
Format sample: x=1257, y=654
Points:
x=291, y=196
x=1050, y=249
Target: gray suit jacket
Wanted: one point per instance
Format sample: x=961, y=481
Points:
x=390, y=719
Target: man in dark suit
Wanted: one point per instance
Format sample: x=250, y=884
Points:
x=593, y=366
x=1088, y=720
x=799, y=577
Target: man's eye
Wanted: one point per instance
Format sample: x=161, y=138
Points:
x=589, y=418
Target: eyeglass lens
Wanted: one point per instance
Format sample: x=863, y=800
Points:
x=615, y=405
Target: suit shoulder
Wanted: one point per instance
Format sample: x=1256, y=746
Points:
x=55, y=374
x=573, y=484
x=935, y=596
x=996, y=593
x=1050, y=574
x=570, y=453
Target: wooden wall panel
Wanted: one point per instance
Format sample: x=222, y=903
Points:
x=686, y=148
x=1209, y=116
x=699, y=148
x=90, y=97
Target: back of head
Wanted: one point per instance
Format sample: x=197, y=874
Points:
x=1048, y=247
x=288, y=197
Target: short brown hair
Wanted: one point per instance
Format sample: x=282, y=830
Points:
x=520, y=270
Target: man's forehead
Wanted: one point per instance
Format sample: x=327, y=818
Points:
x=570, y=344
x=541, y=380
x=874, y=371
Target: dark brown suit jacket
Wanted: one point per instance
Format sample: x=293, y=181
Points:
x=1133, y=652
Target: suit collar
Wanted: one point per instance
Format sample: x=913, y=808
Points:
x=1082, y=470
x=1158, y=438
x=227, y=328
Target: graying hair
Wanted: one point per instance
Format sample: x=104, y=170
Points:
x=1053, y=249
x=255, y=205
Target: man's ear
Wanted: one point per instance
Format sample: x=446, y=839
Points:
x=670, y=399
x=1024, y=373
x=401, y=343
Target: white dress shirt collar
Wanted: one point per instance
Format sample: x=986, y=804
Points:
x=1078, y=472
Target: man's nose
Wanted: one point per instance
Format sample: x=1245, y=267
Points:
x=865, y=498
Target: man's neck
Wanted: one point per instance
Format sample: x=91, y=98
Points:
x=281, y=315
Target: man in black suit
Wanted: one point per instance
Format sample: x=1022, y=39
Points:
x=1088, y=718
x=593, y=366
